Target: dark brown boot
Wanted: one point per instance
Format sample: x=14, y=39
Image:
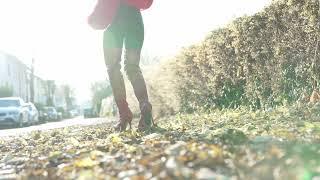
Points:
x=146, y=119
x=138, y=83
x=119, y=93
x=125, y=116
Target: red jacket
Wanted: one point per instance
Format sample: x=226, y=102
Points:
x=140, y=4
x=105, y=10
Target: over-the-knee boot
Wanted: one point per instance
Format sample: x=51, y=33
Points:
x=136, y=78
x=119, y=92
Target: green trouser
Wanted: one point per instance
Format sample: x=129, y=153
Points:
x=127, y=28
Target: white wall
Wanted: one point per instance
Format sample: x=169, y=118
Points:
x=2, y=69
x=39, y=91
x=14, y=74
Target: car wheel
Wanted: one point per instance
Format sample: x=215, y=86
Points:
x=20, y=123
x=36, y=121
x=33, y=122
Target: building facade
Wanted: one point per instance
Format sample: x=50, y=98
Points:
x=39, y=90
x=17, y=76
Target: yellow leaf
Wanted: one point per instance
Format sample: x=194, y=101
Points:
x=74, y=141
x=86, y=162
x=94, y=154
x=55, y=154
x=65, y=168
x=131, y=149
x=203, y=155
x=215, y=152
x=193, y=147
x=114, y=138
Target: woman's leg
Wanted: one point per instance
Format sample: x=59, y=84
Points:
x=135, y=76
x=134, y=38
x=113, y=41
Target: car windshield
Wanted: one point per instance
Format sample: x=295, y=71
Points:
x=9, y=103
x=50, y=109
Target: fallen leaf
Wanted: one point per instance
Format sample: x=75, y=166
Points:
x=85, y=163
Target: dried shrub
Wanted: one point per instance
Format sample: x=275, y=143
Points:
x=263, y=60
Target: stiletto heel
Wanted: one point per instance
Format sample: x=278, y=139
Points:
x=124, y=121
x=146, y=119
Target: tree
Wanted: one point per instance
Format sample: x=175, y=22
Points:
x=32, y=82
x=50, y=87
x=100, y=91
x=6, y=91
x=68, y=95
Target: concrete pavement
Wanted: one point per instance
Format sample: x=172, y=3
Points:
x=78, y=121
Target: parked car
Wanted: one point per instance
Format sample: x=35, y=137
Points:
x=33, y=117
x=13, y=111
x=51, y=113
x=60, y=115
x=89, y=113
x=74, y=113
x=61, y=111
x=43, y=116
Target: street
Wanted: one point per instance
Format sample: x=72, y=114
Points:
x=78, y=121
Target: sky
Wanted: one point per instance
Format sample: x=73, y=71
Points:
x=56, y=34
